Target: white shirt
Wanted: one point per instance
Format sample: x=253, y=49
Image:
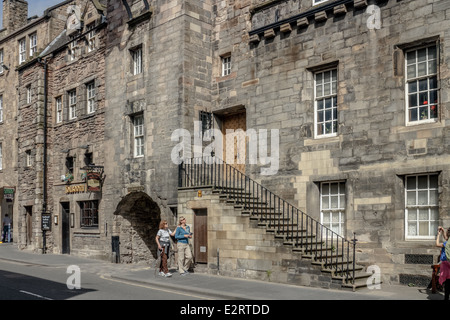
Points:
x=164, y=235
x=6, y=221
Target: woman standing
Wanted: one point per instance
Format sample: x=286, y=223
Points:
x=444, y=277
x=183, y=234
x=163, y=242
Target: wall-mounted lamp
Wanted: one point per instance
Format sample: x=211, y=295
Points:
x=55, y=219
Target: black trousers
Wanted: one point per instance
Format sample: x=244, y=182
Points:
x=446, y=289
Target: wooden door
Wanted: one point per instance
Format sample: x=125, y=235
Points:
x=201, y=235
x=65, y=227
x=235, y=149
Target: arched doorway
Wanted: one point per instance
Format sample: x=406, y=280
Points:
x=136, y=222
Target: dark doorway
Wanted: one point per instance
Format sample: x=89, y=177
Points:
x=201, y=235
x=65, y=227
x=29, y=224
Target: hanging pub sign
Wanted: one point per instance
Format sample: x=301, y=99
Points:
x=93, y=181
x=94, y=176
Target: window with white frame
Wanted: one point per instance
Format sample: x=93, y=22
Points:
x=90, y=91
x=136, y=56
x=28, y=93
x=1, y=108
x=421, y=206
x=91, y=37
x=226, y=65
x=332, y=206
x=1, y=61
x=325, y=103
x=72, y=104
x=22, y=50
x=28, y=158
x=422, y=85
x=59, y=110
x=72, y=49
x=33, y=44
x=138, y=130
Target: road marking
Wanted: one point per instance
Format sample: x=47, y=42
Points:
x=35, y=295
x=154, y=288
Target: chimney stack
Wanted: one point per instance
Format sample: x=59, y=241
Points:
x=15, y=15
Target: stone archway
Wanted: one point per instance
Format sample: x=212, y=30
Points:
x=136, y=221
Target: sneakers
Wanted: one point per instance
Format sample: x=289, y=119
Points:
x=167, y=275
x=184, y=273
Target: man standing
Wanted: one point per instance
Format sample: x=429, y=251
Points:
x=6, y=228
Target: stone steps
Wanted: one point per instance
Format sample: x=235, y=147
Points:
x=321, y=256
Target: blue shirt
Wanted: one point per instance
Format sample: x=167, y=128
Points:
x=180, y=234
x=443, y=257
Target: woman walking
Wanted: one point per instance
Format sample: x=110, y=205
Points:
x=163, y=242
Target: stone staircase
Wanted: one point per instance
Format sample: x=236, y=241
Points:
x=329, y=253
x=337, y=265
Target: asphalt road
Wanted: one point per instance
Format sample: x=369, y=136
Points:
x=20, y=281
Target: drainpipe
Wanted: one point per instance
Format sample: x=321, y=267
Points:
x=44, y=63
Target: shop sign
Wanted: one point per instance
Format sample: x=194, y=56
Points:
x=8, y=193
x=75, y=189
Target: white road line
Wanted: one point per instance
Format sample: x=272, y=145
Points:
x=35, y=295
x=155, y=288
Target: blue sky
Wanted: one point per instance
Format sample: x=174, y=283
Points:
x=36, y=7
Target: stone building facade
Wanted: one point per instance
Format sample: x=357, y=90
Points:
x=21, y=40
x=63, y=148
x=357, y=91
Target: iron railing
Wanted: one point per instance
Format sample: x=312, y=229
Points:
x=300, y=230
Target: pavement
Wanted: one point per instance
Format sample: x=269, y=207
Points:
x=214, y=287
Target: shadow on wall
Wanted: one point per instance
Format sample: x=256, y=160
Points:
x=137, y=220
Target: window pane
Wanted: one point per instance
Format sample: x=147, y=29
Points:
x=334, y=202
x=423, y=214
x=422, y=69
x=433, y=82
x=413, y=115
x=412, y=229
x=421, y=54
x=412, y=215
x=412, y=86
x=423, y=84
x=434, y=181
x=410, y=183
x=319, y=91
x=325, y=188
x=320, y=116
x=413, y=100
x=326, y=89
x=411, y=71
x=319, y=104
x=434, y=197
x=411, y=57
x=411, y=198
x=432, y=68
x=422, y=197
x=432, y=53
x=422, y=182
x=423, y=228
